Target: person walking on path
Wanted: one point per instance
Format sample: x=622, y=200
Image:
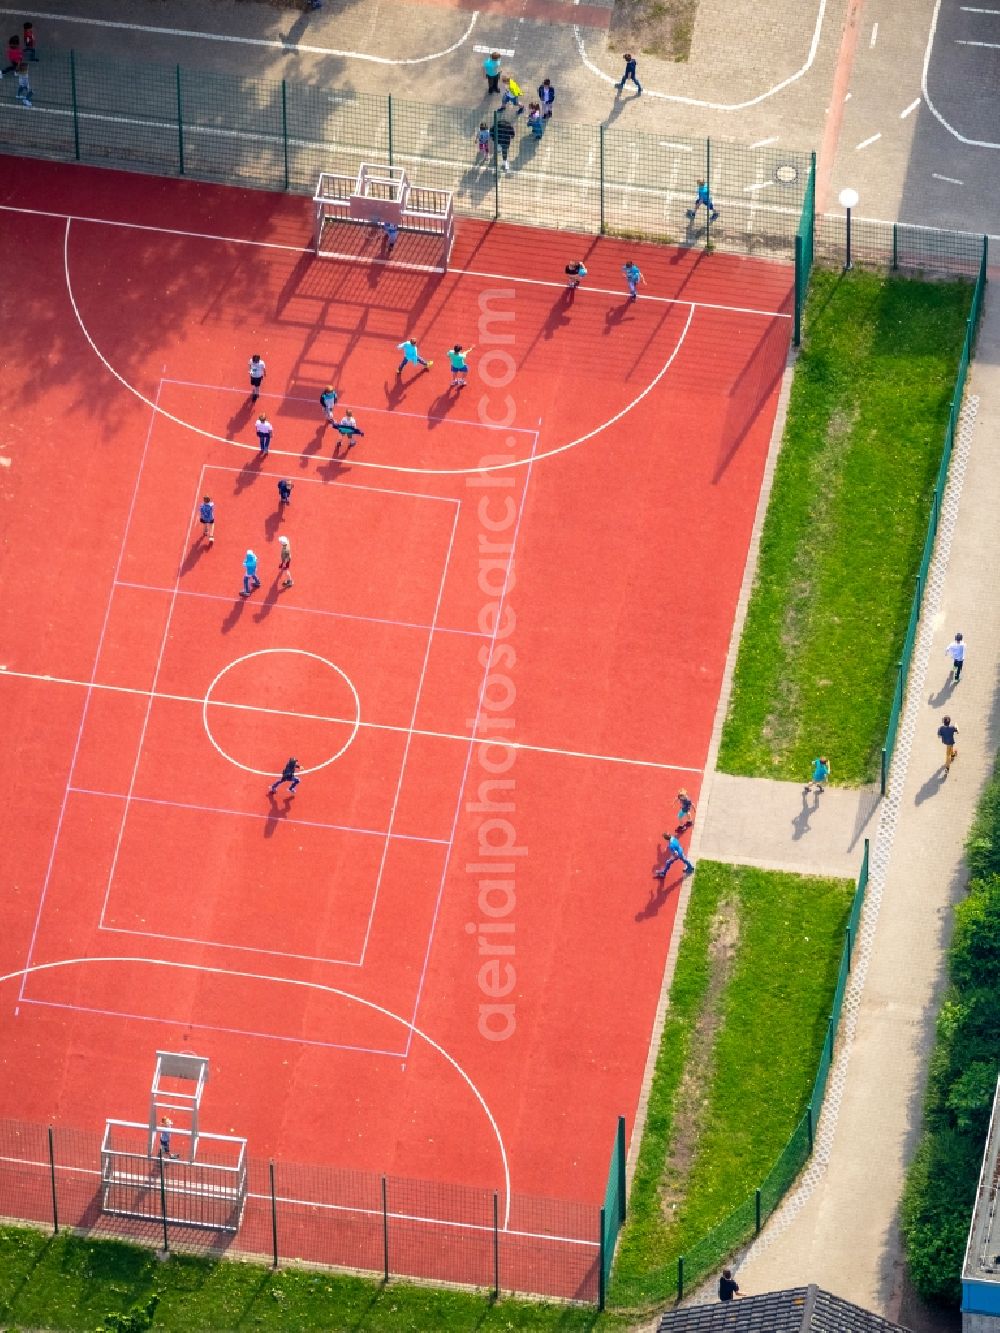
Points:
x=576, y=272
x=284, y=492
x=685, y=812
x=547, y=98
x=328, y=401
x=264, y=431
x=206, y=516
x=704, y=197
x=289, y=774
x=257, y=372
x=947, y=733
x=675, y=852
x=503, y=131
x=411, y=356
x=511, y=95
x=630, y=75
x=250, y=579
x=458, y=356
x=285, y=562
x=633, y=276
x=348, y=428
x=956, y=651
x=729, y=1288
x=491, y=68
x=820, y=774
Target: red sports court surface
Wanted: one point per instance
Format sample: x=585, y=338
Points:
x=550, y=558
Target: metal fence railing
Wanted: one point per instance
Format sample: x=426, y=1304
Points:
x=385, y=1225
x=903, y=666
x=673, y=1278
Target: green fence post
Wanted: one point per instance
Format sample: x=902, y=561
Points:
x=180, y=125
x=799, y=284
x=52, y=1177
x=274, y=1216
x=621, y=1169
x=496, y=165
x=756, y=1208
x=601, y=1267
x=680, y=1277
x=390, y=131
x=284, y=128
x=885, y=770
x=895, y=245
x=847, y=945
x=163, y=1207
x=76, y=112
x=385, y=1230
x=809, y=1126
x=602, y=179
x=708, y=182
x=496, y=1246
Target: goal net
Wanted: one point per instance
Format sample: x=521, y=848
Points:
x=379, y=214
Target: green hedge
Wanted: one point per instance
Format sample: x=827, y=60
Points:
x=941, y=1183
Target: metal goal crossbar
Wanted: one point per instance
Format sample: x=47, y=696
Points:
x=382, y=197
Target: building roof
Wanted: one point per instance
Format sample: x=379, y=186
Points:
x=798, y=1310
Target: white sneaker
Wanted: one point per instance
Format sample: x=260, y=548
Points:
x=506, y=166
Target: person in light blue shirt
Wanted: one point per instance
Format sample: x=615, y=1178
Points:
x=675, y=852
x=328, y=401
x=206, y=516
x=250, y=579
x=704, y=197
x=458, y=357
x=820, y=773
x=411, y=356
x=491, y=68
x=633, y=276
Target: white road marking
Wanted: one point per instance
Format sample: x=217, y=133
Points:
x=762, y=143
x=253, y=41
x=488, y=50
x=866, y=143
x=990, y=46
x=968, y=9
x=908, y=110
x=951, y=180
x=972, y=143
x=700, y=101
x=679, y=147
x=874, y=36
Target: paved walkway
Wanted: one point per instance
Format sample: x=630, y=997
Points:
x=840, y=1228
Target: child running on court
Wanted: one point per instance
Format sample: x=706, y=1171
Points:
x=285, y=561
x=328, y=401
x=348, y=429
x=206, y=515
x=459, y=365
x=633, y=276
x=411, y=356
x=576, y=272
x=289, y=775
x=257, y=372
x=284, y=492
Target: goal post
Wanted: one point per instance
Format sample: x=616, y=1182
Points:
x=352, y=213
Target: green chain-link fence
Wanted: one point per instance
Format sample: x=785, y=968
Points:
x=903, y=666
x=804, y=249
x=676, y=1275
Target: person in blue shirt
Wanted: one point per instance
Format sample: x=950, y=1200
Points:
x=285, y=492
x=391, y=231
x=633, y=276
x=704, y=197
x=820, y=773
x=250, y=579
x=675, y=852
x=289, y=774
x=206, y=516
x=328, y=401
x=630, y=75
x=458, y=357
x=411, y=356
x=491, y=68
x=576, y=271
x=547, y=97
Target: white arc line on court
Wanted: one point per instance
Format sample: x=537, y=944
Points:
x=972, y=143
x=702, y=102
x=380, y=467
x=271, y=43
x=524, y=746
x=412, y=1028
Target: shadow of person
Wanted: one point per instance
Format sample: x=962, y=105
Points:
x=394, y=391
x=248, y=473
x=616, y=315
x=273, y=522
x=944, y=693
x=932, y=786
x=657, y=898
x=280, y=810
x=615, y=110
x=558, y=316
x=445, y=402
x=800, y=824
x=241, y=417
x=315, y=444
x=333, y=468
x=234, y=615
x=192, y=557
x=267, y=603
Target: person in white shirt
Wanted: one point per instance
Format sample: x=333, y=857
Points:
x=257, y=372
x=956, y=651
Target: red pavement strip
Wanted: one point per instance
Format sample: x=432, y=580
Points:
x=544, y=11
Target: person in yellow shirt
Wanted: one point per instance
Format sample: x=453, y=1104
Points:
x=511, y=94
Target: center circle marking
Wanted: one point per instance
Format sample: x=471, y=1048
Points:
x=264, y=652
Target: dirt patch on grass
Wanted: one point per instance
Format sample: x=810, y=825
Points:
x=661, y=28
x=692, y=1102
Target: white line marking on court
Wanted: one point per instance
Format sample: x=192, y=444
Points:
x=272, y=44
x=972, y=143
x=702, y=102
x=990, y=46
x=367, y=463
x=86, y=700
x=866, y=143
x=874, y=36
x=762, y=143
x=968, y=9
x=759, y=185
x=677, y=147
x=908, y=110
x=848, y=96
x=464, y=738
x=411, y=1028
x=950, y=180
x=263, y=652
x=488, y=50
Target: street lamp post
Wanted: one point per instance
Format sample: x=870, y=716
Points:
x=848, y=200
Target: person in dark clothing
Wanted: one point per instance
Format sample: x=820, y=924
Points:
x=729, y=1288
x=289, y=774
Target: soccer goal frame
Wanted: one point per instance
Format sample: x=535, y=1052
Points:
x=377, y=196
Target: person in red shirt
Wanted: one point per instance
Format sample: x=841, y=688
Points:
x=14, y=56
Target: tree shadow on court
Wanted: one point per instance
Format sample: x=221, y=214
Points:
x=248, y=474
x=752, y=390
x=657, y=899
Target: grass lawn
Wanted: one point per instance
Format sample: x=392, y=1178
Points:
x=845, y=526
x=749, y=1004
x=67, y=1282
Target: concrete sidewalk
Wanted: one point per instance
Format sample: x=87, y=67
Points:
x=840, y=1226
